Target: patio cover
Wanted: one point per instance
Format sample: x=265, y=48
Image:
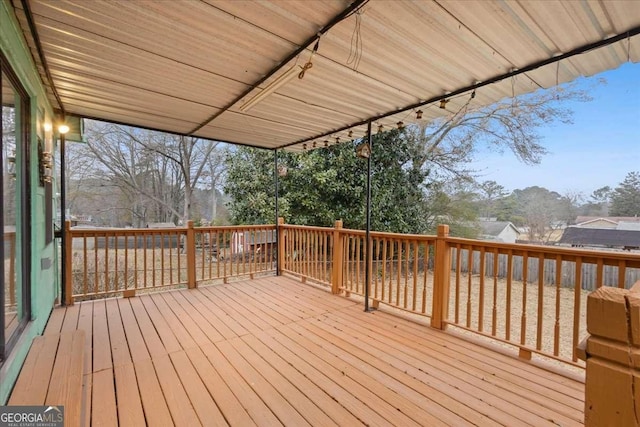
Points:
x=189, y=67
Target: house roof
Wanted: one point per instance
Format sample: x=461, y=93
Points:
x=628, y=225
x=591, y=221
x=494, y=228
x=600, y=237
x=613, y=219
x=190, y=67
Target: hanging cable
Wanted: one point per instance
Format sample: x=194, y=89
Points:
x=309, y=63
x=355, y=51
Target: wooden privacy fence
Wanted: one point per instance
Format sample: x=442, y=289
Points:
x=109, y=262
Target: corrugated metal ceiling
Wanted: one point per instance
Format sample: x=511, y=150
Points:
x=174, y=65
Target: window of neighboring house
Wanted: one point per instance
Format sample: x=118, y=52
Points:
x=15, y=310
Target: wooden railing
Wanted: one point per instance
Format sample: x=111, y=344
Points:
x=533, y=297
x=308, y=252
x=110, y=262
x=529, y=297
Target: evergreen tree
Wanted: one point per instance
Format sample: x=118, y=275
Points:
x=625, y=200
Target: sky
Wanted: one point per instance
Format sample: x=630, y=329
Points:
x=599, y=148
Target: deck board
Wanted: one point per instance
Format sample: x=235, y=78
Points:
x=273, y=351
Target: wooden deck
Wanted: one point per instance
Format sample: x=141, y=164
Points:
x=273, y=351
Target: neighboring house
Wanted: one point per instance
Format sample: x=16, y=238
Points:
x=601, y=238
x=610, y=222
x=499, y=231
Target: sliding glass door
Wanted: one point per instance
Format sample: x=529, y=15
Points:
x=15, y=310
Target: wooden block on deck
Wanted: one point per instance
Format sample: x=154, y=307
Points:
x=129, y=293
x=524, y=354
x=607, y=314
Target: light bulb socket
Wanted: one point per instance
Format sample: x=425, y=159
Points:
x=418, y=114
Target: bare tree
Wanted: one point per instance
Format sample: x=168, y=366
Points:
x=451, y=142
x=158, y=170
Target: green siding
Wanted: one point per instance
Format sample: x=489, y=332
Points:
x=43, y=282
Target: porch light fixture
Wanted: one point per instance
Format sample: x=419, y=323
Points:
x=63, y=129
x=270, y=88
x=443, y=104
x=363, y=150
x=47, y=126
x=418, y=114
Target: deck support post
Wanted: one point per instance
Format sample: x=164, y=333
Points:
x=67, y=266
x=336, y=252
x=191, y=255
x=441, y=279
x=280, y=259
x=612, y=353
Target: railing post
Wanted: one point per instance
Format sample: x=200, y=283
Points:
x=441, y=278
x=68, y=264
x=191, y=255
x=336, y=250
x=281, y=260
x=612, y=353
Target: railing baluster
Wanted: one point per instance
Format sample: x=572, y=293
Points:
x=577, y=292
x=425, y=275
x=494, y=310
x=106, y=263
x=457, y=295
x=144, y=259
x=470, y=283
x=85, y=259
x=509, y=285
x=622, y=273
x=391, y=255
x=523, y=318
x=481, y=302
x=599, y=273
x=398, y=271
x=415, y=275
x=540, y=301
x=95, y=264
x=556, y=326
x=115, y=273
x=383, y=278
